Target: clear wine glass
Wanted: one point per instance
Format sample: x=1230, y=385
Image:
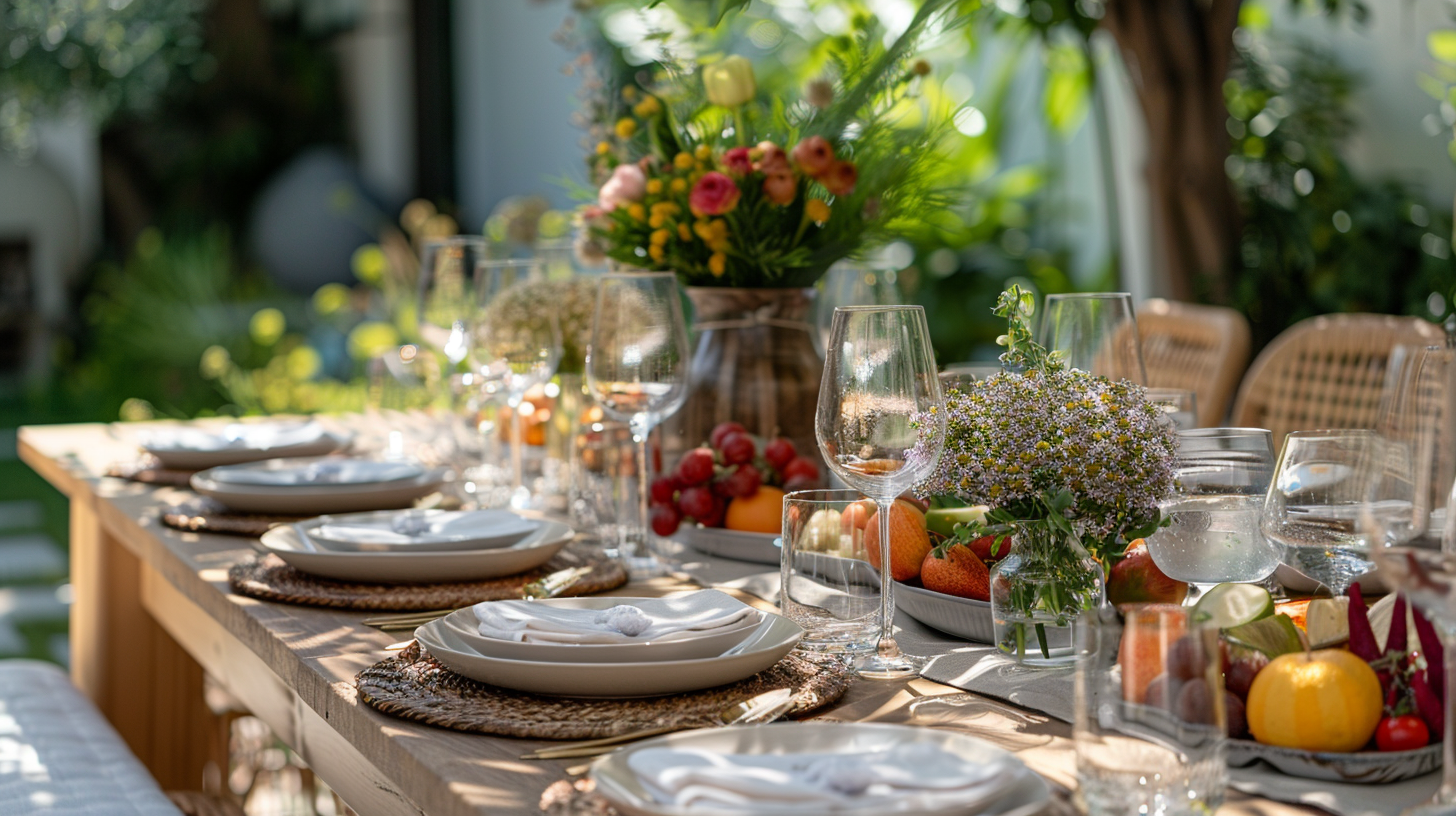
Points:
x=1095, y=332
x=1313, y=505
x=1404, y=479
x=637, y=371
x=881, y=425
x=1213, y=534
x=517, y=350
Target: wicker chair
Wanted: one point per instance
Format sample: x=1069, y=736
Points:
x=1202, y=349
x=1326, y=372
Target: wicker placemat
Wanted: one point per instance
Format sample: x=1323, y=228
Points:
x=413, y=686
x=266, y=576
x=204, y=515
x=147, y=469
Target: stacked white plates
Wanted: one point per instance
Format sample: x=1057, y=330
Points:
x=547, y=655
x=418, y=530
x=311, y=486
x=196, y=448
x=789, y=769
x=406, y=565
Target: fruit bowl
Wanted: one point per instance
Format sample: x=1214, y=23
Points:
x=959, y=617
x=739, y=545
x=1360, y=767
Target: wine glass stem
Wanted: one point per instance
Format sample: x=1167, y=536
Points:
x=887, y=647
x=518, y=428
x=640, y=432
x=1447, y=792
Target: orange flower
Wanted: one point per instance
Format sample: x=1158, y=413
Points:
x=840, y=179
x=814, y=155
x=780, y=187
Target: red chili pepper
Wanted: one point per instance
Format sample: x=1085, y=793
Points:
x=1396, y=640
x=1428, y=703
x=1434, y=653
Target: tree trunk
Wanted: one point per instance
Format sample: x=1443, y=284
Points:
x=1177, y=53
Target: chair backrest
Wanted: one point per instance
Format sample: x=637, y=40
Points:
x=1326, y=372
x=1202, y=349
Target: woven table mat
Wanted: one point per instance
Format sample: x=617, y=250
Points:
x=148, y=470
x=411, y=685
x=203, y=515
x=266, y=576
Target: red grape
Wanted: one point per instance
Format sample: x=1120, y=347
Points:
x=715, y=518
x=779, y=453
x=800, y=483
x=665, y=519
x=721, y=431
x=695, y=467
x=697, y=503
x=742, y=482
x=1237, y=720
x=801, y=466
x=663, y=489
x=737, y=448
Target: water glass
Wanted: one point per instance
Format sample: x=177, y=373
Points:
x=1179, y=406
x=1150, y=720
x=1314, y=504
x=827, y=585
x=1095, y=332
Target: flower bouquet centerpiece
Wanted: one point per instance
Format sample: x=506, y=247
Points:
x=1073, y=467
x=748, y=194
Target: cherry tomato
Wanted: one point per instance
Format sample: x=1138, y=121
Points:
x=1404, y=733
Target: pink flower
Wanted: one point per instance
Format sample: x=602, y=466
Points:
x=780, y=187
x=738, y=162
x=814, y=155
x=771, y=159
x=627, y=184
x=714, y=194
x=840, y=179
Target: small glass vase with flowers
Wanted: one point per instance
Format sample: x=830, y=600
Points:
x=1073, y=467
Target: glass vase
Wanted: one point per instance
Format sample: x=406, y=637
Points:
x=1038, y=594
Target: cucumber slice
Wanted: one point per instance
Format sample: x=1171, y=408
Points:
x=944, y=520
x=1274, y=636
x=1230, y=605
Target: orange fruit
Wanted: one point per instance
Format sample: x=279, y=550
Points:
x=763, y=512
x=909, y=542
x=1148, y=633
x=1327, y=700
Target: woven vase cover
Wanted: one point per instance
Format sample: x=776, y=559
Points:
x=266, y=576
x=413, y=686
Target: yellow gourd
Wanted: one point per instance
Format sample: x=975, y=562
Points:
x=1325, y=701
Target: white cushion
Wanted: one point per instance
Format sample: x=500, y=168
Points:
x=60, y=757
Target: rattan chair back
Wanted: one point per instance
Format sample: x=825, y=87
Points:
x=1202, y=349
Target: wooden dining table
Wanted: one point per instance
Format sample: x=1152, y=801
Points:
x=154, y=624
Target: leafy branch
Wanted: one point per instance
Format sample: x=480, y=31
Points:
x=1023, y=353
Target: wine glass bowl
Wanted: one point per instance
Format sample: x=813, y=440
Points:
x=1095, y=332
x=880, y=424
x=448, y=304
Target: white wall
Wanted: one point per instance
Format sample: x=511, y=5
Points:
x=378, y=73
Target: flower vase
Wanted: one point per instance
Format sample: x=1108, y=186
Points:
x=755, y=362
x=1039, y=594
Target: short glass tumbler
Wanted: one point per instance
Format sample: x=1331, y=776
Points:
x=827, y=584
x=1149, y=727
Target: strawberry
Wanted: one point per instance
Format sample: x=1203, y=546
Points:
x=954, y=569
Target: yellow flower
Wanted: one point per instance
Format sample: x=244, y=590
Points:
x=625, y=128
x=647, y=107
x=603, y=148
x=683, y=161
x=654, y=186
x=656, y=252
x=666, y=208
x=702, y=230
x=717, y=264
x=817, y=210
x=729, y=82
x=684, y=232
x=661, y=236
x=719, y=228
x=629, y=93
x=303, y=362
x=702, y=153
x=330, y=298
x=678, y=185
x=267, y=326
x=657, y=220
x=637, y=212
x=369, y=263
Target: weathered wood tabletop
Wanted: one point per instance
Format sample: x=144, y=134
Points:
x=153, y=614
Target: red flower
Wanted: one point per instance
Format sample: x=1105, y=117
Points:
x=714, y=194
x=771, y=159
x=840, y=179
x=814, y=155
x=738, y=162
x=780, y=187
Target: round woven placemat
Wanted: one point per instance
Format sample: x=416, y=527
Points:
x=266, y=576
x=148, y=470
x=203, y=515
x=413, y=686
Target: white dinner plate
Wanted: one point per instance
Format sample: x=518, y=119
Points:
x=189, y=448
x=616, y=781
x=443, y=530
x=962, y=617
x=322, y=471
x=773, y=638
x=735, y=544
x=316, y=499
x=464, y=623
x=418, y=567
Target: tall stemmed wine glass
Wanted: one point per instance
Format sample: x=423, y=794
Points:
x=518, y=350
x=637, y=370
x=1096, y=332
x=1405, y=476
x=447, y=309
x=1314, y=502
x=881, y=425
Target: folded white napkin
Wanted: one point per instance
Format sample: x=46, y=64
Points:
x=237, y=436
x=322, y=472
x=906, y=776
x=681, y=617
x=427, y=527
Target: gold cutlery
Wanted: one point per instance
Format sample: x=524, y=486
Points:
x=764, y=708
x=548, y=586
